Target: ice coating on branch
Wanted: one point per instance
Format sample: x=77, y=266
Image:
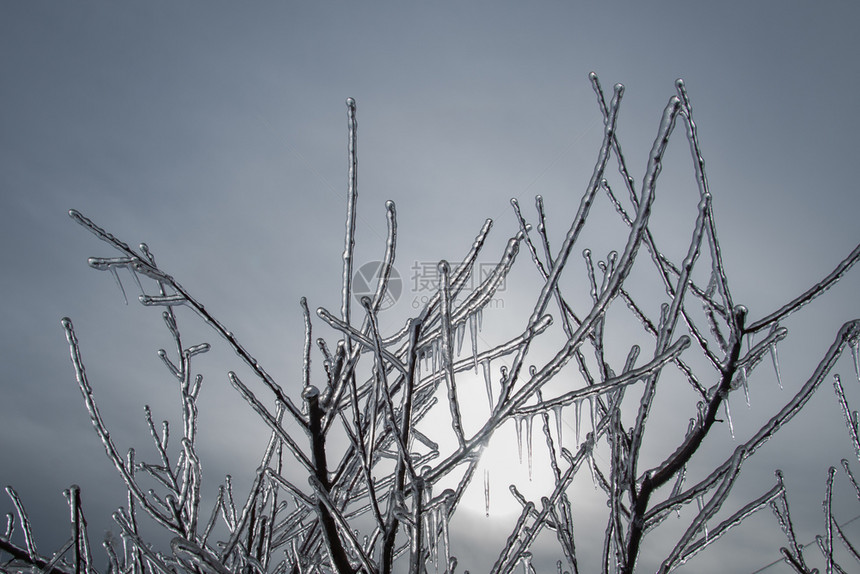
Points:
x=352, y=196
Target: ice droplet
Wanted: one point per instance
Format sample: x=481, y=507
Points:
x=775, y=358
x=487, y=492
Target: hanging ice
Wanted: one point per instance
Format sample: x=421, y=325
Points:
x=460, y=335
x=487, y=492
x=745, y=384
x=442, y=519
x=473, y=332
x=518, y=424
x=432, y=540
x=528, y=422
x=729, y=416
x=556, y=411
x=118, y=283
x=591, y=413
x=590, y=460
x=855, y=353
x=485, y=365
x=700, y=503
x=775, y=358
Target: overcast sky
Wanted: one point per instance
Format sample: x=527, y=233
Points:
x=216, y=133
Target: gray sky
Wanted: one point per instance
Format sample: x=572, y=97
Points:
x=216, y=133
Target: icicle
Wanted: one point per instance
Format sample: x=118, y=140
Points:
x=430, y=529
x=119, y=283
x=855, y=353
x=473, y=332
x=136, y=278
x=435, y=356
x=592, y=413
x=529, y=421
x=700, y=502
x=729, y=416
x=460, y=335
x=590, y=460
x=676, y=489
x=443, y=522
x=480, y=315
x=487, y=492
x=578, y=405
x=518, y=422
x=418, y=358
x=745, y=384
x=775, y=358
x=488, y=383
x=556, y=411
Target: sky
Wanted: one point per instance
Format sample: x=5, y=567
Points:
x=216, y=133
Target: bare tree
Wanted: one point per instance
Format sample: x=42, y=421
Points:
x=380, y=503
